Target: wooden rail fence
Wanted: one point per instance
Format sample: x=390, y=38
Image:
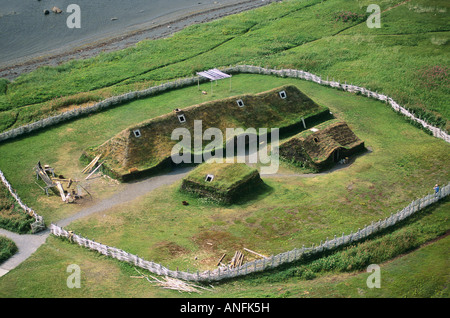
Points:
x=260, y=264
x=248, y=69
x=255, y=266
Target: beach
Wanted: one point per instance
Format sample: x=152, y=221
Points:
x=29, y=38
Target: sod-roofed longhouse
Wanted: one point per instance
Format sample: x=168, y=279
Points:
x=322, y=146
x=147, y=147
x=222, y=182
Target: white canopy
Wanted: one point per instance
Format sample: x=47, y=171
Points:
x=214, y=74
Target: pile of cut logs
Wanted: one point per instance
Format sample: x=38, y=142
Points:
x=238, y=258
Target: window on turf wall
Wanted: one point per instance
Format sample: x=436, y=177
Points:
x=181, y=118
x=137, y=133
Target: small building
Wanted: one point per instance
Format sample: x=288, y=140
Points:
x=322, y=146
x=222, y=182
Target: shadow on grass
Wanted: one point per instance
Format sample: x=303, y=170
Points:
x=257, y=193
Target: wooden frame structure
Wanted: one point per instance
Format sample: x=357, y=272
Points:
x=213, y=75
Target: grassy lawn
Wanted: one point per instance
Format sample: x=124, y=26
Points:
x=294, y=211
x=423, y=272
x=407, y=59
x=400, y=58
x=62, y=146
x=403, y=153
x=403, y=164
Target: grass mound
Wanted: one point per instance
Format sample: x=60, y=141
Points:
x=147, y=146
x=221, y=182
x=322, y=146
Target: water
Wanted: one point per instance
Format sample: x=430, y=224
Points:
x=25, y=31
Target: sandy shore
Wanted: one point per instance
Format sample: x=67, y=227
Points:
x=156, y=29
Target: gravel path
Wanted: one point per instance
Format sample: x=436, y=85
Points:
x=29, y=243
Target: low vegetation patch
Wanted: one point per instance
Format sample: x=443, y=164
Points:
x=7, y=248
x=435, y=76
x=349, y=16
x=12, y=217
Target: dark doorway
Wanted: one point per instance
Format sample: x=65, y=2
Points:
x=336, y=155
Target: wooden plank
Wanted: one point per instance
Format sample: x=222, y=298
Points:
x=253, y=252
x=91, y=164
x=221, y=259
x=61, y=191
x=40, y=187
x=88, y=167
x=43, y=175
x=94, y=171
x=233, y=260
x=240, y=259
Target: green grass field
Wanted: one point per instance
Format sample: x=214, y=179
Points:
x=293, y=212
x=399, y=59
x=422, y=273
x=407, y=58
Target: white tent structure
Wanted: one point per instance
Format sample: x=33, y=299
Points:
x=213, y=75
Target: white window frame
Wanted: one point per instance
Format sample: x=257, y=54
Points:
x=181, y=118
x=137, y=133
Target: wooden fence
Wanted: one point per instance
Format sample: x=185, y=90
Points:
x=438, y=133
x=249, y=69
x=261, y=264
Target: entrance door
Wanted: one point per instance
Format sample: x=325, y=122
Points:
x=336, y=155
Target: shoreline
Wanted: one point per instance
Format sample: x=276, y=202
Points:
x=156, y=30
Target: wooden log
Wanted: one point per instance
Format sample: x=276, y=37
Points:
x=253, y=252
x=233, y=260
x=221, y=259
x=91, y=164
x=240, y=259
x=61, y=191
x=40, y=187
x=94, y=171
